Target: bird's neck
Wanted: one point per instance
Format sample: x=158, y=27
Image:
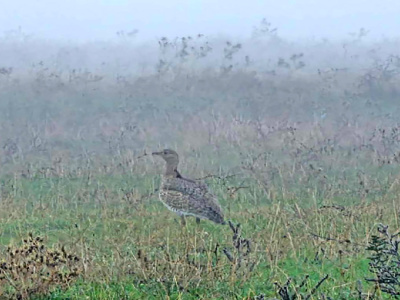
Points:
x=171, y=171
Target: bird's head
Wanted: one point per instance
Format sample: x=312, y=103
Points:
x=170, y=156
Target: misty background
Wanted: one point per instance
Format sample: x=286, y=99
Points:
x=110, y=78
x=89, y=20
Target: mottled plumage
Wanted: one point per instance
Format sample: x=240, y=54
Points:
x=185, y=196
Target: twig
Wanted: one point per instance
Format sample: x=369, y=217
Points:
x=338, y=207
x=335, y=240
x=316, y=287
x=143, y=155
x=216, y=176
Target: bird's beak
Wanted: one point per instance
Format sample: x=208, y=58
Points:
x=156, y=153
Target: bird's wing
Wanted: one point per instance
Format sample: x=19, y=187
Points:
x=189, y=196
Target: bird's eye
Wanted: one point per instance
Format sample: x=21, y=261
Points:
x=165, y=152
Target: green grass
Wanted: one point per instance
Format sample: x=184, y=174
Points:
x=98, y=224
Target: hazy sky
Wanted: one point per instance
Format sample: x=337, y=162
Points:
x=101, y=19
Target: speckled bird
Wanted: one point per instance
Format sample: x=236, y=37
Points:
x=185, y=196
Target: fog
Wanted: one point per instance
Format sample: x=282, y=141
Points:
x=288, y=110
x=87, y=20
x=79, y=73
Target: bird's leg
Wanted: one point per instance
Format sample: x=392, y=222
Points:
x=183, y=220
x=197, y=220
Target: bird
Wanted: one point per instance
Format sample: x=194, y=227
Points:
x=184, y=196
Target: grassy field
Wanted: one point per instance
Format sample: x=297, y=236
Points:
x=132, y=247
x=303, y=152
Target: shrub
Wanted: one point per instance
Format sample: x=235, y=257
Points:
x=33, y=269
